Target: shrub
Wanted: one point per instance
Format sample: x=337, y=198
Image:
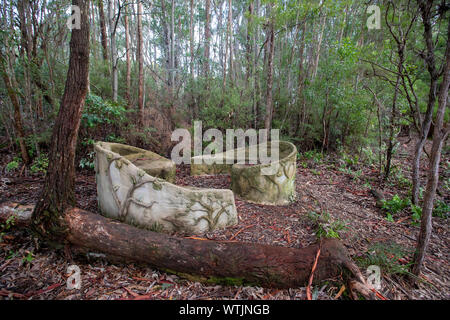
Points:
x=11, y=166
x=40, y=164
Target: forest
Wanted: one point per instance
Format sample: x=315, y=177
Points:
x=96, y=94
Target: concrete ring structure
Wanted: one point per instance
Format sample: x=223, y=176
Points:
x=133, y=186
x=272, y=183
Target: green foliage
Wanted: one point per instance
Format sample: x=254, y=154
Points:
x=416, y=214
x=28, y=258
x=441, y=209
x=390, y=257
x=6, y=226
x=12, y=165
x=313, y=155
x=88, y=162
x=40, y=164
x=113, y=138
x=325, y=228
x=98, y=111
x=394, y=205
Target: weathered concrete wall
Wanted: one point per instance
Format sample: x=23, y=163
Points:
x=249, y=182
x=128, y=193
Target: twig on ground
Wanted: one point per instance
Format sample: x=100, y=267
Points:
x=311, y=277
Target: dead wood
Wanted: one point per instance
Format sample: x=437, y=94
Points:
x=217, y=261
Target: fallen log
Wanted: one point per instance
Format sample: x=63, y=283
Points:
x=216, y=261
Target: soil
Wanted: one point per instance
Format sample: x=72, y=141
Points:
x=340, y=194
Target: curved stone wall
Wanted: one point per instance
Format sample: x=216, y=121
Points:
x=131, y=188
x=249, y=182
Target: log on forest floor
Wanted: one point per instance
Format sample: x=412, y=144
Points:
x=216, y=261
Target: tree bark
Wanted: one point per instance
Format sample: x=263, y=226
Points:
x=141, y=65
x=319, y=45
x=249, y=45
x=425, y=8
x=112, y=38
x=269, y=99
x=240, y=262
x=18, y=126
x=440, y=133
x=104, y=39
x=127, y=49
x=58, y=189
x=230, y=39
x=207, y=39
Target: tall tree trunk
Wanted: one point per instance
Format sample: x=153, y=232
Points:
x=425, y=8
x=172, y=49
x=127, y=49
x=301, y=81
x=319, y=45
x=141, y=65
x=166, y=44
x=207, y=39
x=225, y=57
x=59, y=184
x=112, y=38
x=104, y=38
x=269, y=99
x=256, y=77
x=249, y=45
x=193, y=104
x=440, y=133
x=392, y=124
x=28, y=54
x=18, y=126
x=230, y=39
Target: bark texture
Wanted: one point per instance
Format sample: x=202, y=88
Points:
x=216, y=261
x=440, y=134
x=58, y=189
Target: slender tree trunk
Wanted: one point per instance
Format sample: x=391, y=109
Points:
x=440, y=133
x=104, y=38
x=166, y=45
x=225, y=58
x=319, y=45
x=191, y=61
x=172, y=52
x=425, y=8
x=249, y=45
x=59, y=184
x=114, y=60
x=301, y=81
x=230, y=39
x=127, y=49
x=269, y=99
x=344, y=24
x=207, y=39
x=140, y=54
x=392, y=124
x=256, y=76
x=18, y=126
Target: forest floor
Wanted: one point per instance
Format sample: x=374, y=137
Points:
x=332, y=197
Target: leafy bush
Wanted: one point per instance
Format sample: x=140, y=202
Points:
x=88, y=162
x=4, y=227
x=98, y=111
x=313, y=155
x=40, y=164
x=395, y=205
x=390, y=257
x=416, y=214
x=324, y=227
x=441, y=209
x=13, y=165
